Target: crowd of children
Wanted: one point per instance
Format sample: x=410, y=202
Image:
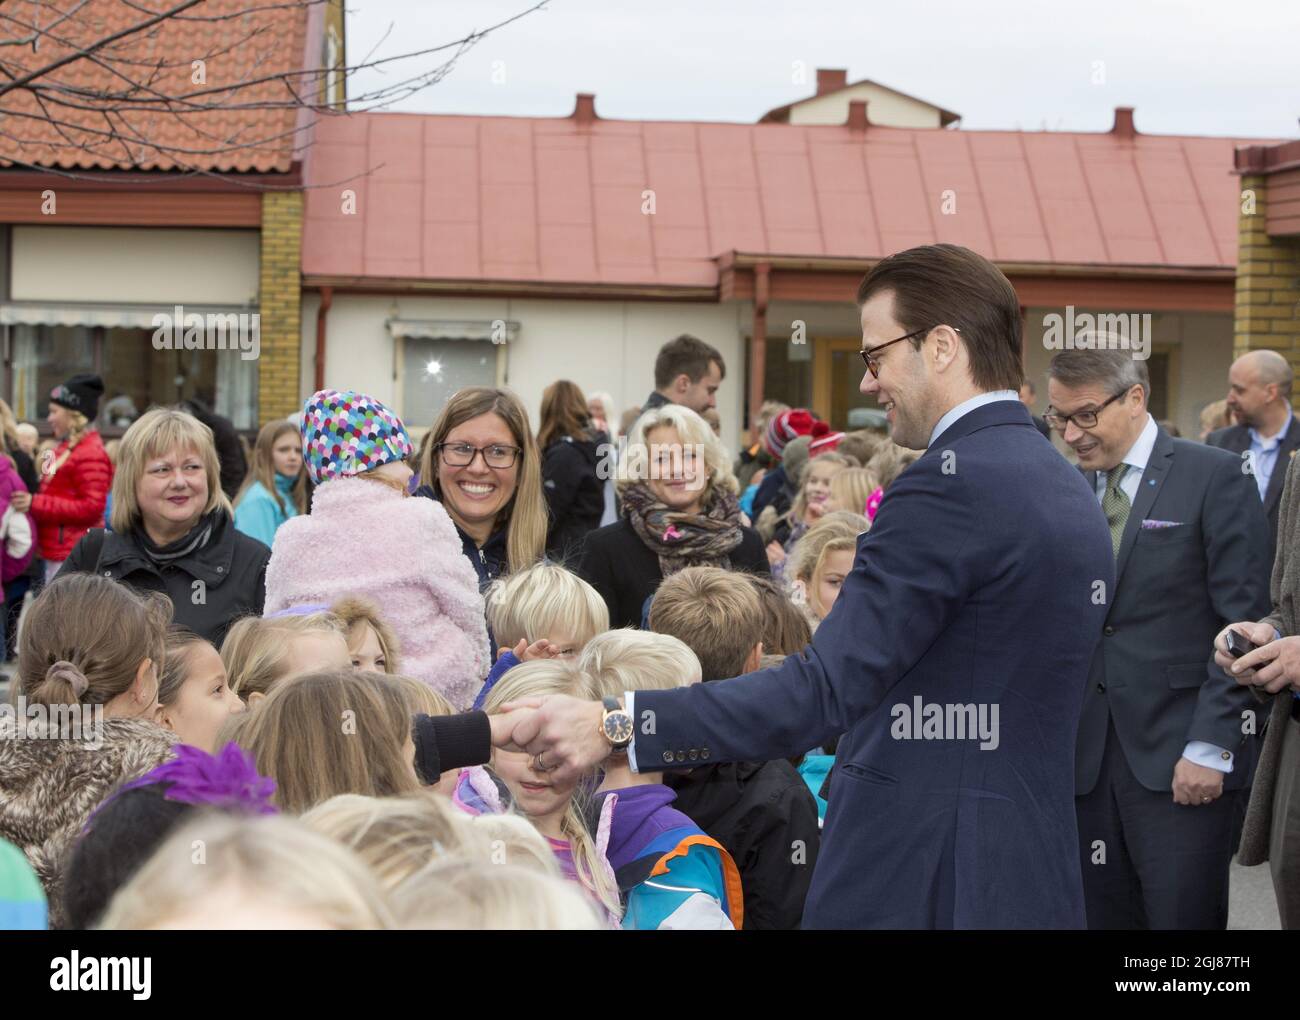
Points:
x=335, y=755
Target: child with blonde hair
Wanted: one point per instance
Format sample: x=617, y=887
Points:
x=551, y=805
x=259, y=652
x=809, y=505
x=194, y=695
x=823, y=559
x=543, y=612
x=415, y=569
x=371, y=642
x=421, y=699
x=472, y=896
x=670, y=874
x=850, y=490
x=259, y=873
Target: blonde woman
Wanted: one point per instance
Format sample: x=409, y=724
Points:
x=173, y=531
x=480, y=461
x=75, y=480
x=258, y=873
x=679, y=509
x=276, y=488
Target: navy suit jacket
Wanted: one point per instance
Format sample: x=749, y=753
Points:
x=1176, y=587
x=975, y=586
x=1236, y=439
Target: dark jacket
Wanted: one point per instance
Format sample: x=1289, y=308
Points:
x=1236, y=439
x=231, y=566
x=775, y=490
x=490, y=561
x=766, y=818
x=26, y=470
x=229, y=450
x=575, y=494
x=948, y=832
x=1176, y=586
x=626, y=571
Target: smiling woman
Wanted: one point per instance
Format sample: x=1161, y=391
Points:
x=173, y=529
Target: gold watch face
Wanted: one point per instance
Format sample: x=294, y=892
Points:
x=618, y=727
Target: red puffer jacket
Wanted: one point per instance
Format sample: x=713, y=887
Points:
x=71, y=500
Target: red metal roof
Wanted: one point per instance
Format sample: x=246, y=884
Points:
x=244, y=48
x=555, y=200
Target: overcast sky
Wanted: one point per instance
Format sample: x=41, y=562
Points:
x=1205, y=67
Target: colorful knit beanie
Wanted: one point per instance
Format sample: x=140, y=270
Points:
x=786, y=426
x=346, y=433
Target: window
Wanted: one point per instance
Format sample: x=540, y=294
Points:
x=432, y=370
x=136, y=376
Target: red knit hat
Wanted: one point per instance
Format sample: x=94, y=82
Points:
x=786, y=426
x=824, y=443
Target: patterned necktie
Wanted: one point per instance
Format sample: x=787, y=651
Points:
x=1115, y=505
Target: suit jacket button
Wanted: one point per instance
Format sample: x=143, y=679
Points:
x=681, y=755
x=1108, y=631
x=668, y=756
x=695, y=754
x=704, y=753
x=1226, y=755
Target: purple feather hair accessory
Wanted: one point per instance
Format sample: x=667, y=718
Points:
x=228, y=779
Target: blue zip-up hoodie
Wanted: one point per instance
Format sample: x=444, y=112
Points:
x=670, y=874
x=257, y=514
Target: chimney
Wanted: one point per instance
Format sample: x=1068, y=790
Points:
x=1123, y=127
x=829, y=79
x=857, y=115
x=584, y=112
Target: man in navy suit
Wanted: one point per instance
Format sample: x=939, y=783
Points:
x=1165, y=741
x=1259, y=397
x=955, y=657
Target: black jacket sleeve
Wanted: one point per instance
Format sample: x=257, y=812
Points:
x=26, y=470
x=561, y=478
x=445, y=742
x=750, y=554
x=597, y=568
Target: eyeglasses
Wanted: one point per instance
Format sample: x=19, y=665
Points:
x=463, y=454
x=869, y=353
x=1082, y=419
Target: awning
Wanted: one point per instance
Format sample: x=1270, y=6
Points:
x=497, y=331
x=25, y=313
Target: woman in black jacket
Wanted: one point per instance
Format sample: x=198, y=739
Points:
x=679, y=510
x=571, y=474
x=173, y=529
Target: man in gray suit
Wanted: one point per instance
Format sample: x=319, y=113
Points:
x=1259, y=397
x=1162, y=755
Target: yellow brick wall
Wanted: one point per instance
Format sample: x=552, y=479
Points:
x=280, y=302
x=1268, y=284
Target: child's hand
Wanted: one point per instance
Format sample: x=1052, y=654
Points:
x=542, y=649
x=775, y=553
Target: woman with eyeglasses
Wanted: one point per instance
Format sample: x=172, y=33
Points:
x=679, y=510
x=480, y=461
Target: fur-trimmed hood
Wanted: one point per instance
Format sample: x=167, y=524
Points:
x=363, y=538
x=50, y=784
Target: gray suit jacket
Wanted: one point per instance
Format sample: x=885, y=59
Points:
x=1236, y=438
x=1286, y=618
x=1176, y=587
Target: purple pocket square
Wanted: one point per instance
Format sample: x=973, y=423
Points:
x=1150, y=525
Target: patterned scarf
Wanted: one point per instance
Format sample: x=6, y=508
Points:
x=682, y=539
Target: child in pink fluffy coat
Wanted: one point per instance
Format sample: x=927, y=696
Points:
x=365, y=536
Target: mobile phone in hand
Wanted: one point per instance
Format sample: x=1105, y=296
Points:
x=1239, y=645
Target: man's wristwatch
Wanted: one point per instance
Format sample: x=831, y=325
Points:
x=616, y=724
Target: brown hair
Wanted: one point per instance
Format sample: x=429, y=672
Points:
x=785, y=628
x=861, y=445
x=564, y=414
x=686, y=355
x=262, y=468
x=255, y=648
x=101, y=627
x=339, y=731
x=421, y=699
x=525, y=514
x=176, y=662
x=717, y=613
x=354, y=612
x=889, y=461
x=946, y=284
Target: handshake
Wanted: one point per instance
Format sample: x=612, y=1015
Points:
x=563, y=734
x=1273, y=665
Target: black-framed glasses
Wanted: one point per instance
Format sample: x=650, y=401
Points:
x=463, y=454
x=869, y=353
x=1083, y=419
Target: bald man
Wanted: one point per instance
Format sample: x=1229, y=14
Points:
x=1259, y=398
